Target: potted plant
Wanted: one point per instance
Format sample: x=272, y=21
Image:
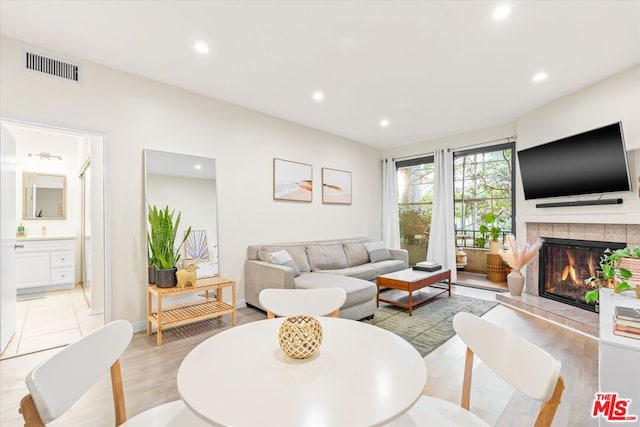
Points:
x=162, y=238
x=490, y=232
x=616, y=273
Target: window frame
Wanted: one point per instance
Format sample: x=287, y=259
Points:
x=487, y=149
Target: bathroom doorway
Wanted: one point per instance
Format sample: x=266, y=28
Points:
x=62, y=300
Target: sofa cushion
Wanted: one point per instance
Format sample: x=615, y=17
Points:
x=357, y=290
x=298, y=254
x=364, y=271
x=326, y=256
x=388, y=266
x=377, y=251
x=281, y=258
x=356, y=254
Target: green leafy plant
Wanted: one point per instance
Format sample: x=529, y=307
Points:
x=611, y=273
x=162, y=237
x=490, y=231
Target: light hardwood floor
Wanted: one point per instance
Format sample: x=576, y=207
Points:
x=149, y=373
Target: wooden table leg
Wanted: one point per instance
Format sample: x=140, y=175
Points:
x=449, y=283
x=233, y=304
x=410, y=302
x=149, y=312
x=377, y=293
x=159, y=327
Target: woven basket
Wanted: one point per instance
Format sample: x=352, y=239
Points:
x=633, y=265
x=300, y=336
x=495, y=268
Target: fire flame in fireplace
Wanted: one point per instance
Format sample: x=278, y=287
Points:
x=569, y=271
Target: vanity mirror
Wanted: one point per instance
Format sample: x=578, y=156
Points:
x=44, y=196
x=187, y=184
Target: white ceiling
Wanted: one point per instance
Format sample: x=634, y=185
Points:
x=433, y=68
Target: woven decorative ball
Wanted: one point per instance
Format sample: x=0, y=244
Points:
x=300, y=336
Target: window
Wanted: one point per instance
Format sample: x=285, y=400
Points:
x=415, y=199
x=483, y=183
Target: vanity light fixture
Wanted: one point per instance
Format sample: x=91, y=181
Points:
x=47, y=156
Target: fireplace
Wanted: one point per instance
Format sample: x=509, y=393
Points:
x=565, y=265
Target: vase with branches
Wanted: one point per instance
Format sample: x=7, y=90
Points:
x=518, y=256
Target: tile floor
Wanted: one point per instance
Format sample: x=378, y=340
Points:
x=58, y=319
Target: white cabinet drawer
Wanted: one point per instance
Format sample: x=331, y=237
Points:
x=62, y=259
x=60, y=276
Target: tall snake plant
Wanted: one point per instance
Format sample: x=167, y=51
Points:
x=162, y=236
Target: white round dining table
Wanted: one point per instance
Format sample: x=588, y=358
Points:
x=362, y=375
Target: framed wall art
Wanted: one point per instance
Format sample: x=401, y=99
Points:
x=196, y=247
x=336, y=186
x=292, y=181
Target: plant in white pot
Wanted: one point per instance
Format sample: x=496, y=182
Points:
x=518, y=257
x=161, y=238
x=620, y=268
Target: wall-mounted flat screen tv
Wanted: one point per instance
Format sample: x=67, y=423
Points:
x=587, y=163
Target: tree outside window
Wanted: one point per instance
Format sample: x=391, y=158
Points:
x=415, y=199
x=483, y=183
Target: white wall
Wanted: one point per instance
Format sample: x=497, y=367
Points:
x=610, y=100
x=135, y=113
x=616, y=98
x=479, y=136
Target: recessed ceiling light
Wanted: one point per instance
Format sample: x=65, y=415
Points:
x=538, y=77
x=384, y=123
x=198, y=167
x=201, y=47
x=501, y=12
x=318, y=96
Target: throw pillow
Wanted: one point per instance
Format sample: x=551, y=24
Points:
x=297, y=252
x=279, y=258
x=326, y=256
x=377, y=251
x=356, y=254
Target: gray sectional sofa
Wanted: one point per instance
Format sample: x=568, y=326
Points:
x=352, y=264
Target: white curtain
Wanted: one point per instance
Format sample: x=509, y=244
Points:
x=390, y=218
x=442, y=240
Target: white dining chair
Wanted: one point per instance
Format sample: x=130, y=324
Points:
x=60, y=381
x=525, y=366
x=314, y=302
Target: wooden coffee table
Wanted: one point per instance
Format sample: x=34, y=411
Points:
x=412, y=280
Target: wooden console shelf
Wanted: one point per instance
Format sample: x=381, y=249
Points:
x=181, y=314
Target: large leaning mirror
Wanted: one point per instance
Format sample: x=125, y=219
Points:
x=43, y=196
x=187, y=184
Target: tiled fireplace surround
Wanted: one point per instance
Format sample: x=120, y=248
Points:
x=564, y=314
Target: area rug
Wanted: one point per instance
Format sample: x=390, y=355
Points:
x=431, y=324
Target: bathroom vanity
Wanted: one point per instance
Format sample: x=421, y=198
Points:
x=45, y=263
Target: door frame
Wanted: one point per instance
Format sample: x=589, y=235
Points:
x=100, y=139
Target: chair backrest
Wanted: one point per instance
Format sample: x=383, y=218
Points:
x=60, y=381
x=524, y=365
x=314, y=302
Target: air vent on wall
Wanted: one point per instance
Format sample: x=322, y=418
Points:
x=51, y=66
